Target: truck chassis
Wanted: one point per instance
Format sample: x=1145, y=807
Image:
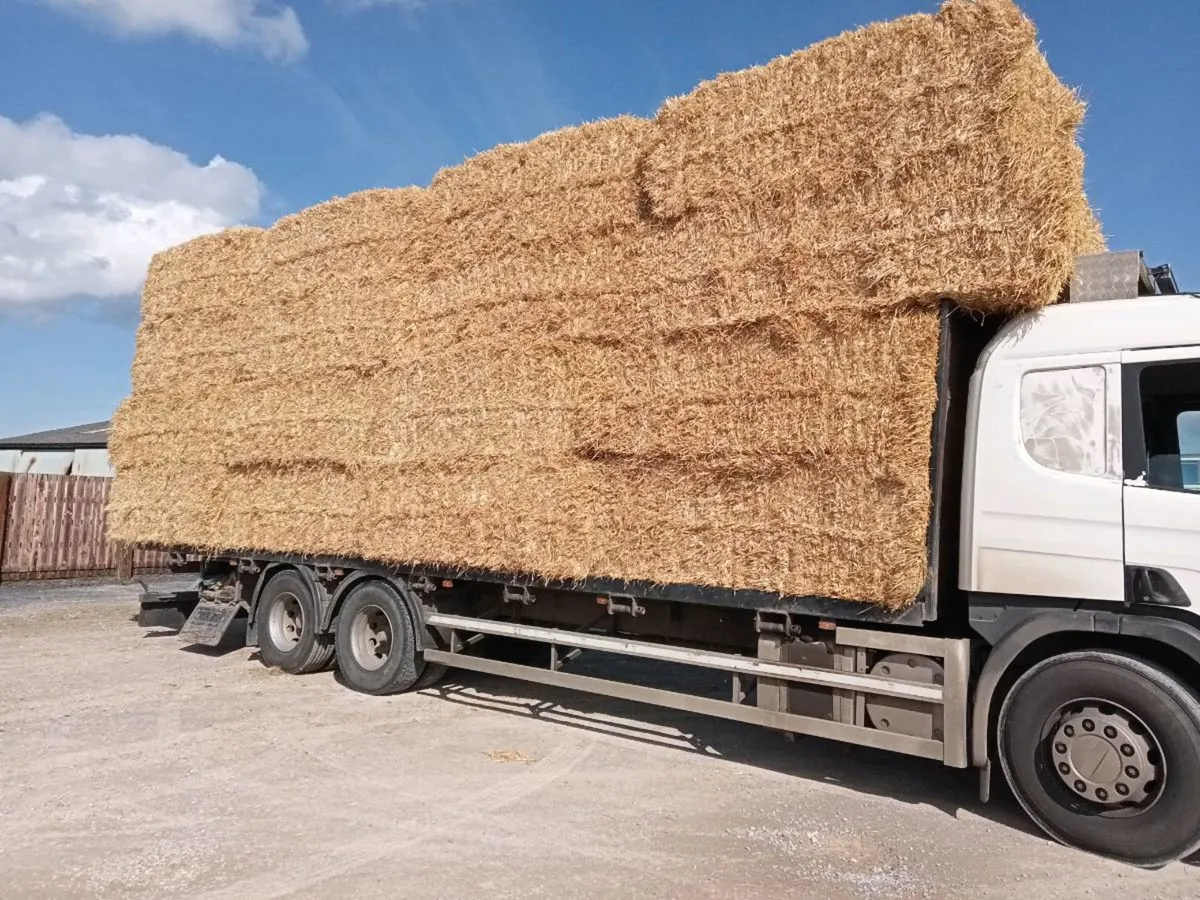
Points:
x=882, y=686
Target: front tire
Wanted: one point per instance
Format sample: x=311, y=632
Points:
x=287, y=626
x=376, y=641
x=1102, y=750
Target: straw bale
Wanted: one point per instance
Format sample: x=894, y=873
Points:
x=940, y=149
x=695, y=349
x=728, y=526
x=562, y=161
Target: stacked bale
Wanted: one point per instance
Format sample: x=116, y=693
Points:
x=700, y=349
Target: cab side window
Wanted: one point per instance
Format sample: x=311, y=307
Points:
x=1189, y=448
x=1169, y=396
x=1063, y=419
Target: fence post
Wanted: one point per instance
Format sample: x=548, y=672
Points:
x=5, y=488
x=124, y=563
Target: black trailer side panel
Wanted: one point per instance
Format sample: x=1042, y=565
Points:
x=963, y=339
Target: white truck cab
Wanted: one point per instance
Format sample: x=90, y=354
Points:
x=1082, y=449
x=1079, y=556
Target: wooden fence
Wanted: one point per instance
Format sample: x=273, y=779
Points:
x=54, y=526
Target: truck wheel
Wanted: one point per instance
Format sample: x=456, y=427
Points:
x=376, y=643
x=287, y=627
x=1103, y=752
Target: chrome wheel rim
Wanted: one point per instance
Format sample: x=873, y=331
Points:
x=371, y=637
x=286, y=622
x=1106, y=757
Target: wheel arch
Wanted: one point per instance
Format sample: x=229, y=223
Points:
x=1171, y=644
x=365, y=576
x=269, y=571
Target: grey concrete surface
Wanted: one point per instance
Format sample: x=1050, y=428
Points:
x=131, y=766
x=15, y=594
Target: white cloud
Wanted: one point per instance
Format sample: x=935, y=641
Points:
x=263, y=25
x=81, y=215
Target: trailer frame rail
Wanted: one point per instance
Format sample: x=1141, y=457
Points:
x=955, y=653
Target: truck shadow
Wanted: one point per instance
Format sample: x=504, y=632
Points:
x=862, y=769
x=232, y=641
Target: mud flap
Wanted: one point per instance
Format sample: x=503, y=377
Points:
x=209, y=622
x=170, y=610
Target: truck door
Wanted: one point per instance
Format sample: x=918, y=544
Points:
x=1161, y=394
x=1042, y=494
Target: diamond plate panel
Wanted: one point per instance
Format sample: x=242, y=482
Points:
x=1107, y=276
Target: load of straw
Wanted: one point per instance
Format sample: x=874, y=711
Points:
x=698, y=349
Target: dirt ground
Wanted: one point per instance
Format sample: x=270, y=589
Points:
x=131, y=766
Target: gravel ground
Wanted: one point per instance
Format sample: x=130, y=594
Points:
x=131, y=766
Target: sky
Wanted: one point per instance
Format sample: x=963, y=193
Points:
x=127, y=126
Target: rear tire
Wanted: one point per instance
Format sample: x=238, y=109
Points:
x=287, y=623
x=376, y=641
x=1102, y=750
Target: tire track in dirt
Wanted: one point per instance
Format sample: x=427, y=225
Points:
x=370, y=847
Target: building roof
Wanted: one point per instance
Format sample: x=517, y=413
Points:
x=80, y=437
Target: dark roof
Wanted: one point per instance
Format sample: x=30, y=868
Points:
x=80, y=437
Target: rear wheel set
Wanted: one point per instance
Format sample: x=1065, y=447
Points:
x=374, y=642
x=377, y=643
x=287, y=627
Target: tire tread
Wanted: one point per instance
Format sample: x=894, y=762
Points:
x=1143, y=669
x=321, y=650
x=408, y=671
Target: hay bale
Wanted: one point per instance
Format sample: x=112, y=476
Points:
x=931, y=156
x=698, y=349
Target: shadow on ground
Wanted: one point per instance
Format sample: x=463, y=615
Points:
x=862, y=769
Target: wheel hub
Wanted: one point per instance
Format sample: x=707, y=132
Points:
x=1106, y=755
x=371, y=637
x=286, y=622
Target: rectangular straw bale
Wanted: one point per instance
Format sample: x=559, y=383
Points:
x=735, y=396
x=696, y=349
x=939, y=149
x=567, y=161
x=724, y=526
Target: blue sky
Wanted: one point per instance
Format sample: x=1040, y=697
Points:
x=294, y=104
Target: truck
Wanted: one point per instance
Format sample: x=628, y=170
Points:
x=1058, y=634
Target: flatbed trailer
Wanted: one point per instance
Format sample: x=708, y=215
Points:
x=1056, y=633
